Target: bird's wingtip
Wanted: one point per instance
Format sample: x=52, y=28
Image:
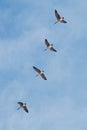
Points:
x=45, y=39
x=45, y=78
x=33, y=66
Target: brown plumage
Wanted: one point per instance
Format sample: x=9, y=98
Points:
x=59, y=18
x=49, y=46
x=40, y=72
x=23, y=105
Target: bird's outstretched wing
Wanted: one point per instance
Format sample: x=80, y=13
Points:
x=36, y=69
x=63, y=21
x=47, y=43
x=43, y=76
x=20, y=103
x=52, y=49
x=57, y=15
x=25, y=108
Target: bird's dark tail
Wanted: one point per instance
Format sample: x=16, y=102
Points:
x=45, y=49
x=18, y=108
x=55, y=22
x=36, y=75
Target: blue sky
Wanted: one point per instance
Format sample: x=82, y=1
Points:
x=59, y=103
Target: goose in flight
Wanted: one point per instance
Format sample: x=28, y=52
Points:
x=41, y=73
x=59, y=18
x=23, y=105
x=49, y=46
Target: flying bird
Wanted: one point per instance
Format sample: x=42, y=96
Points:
x=23, y=105
x=49, y=46
x=41, y=73
x=59, y=18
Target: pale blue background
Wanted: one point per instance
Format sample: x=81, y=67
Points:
x=60, y=103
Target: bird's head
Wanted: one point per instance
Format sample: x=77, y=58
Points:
x=51, y=44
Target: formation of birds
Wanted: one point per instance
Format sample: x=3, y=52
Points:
x=51, y=48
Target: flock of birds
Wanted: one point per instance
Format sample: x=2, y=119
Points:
x=51, y=48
